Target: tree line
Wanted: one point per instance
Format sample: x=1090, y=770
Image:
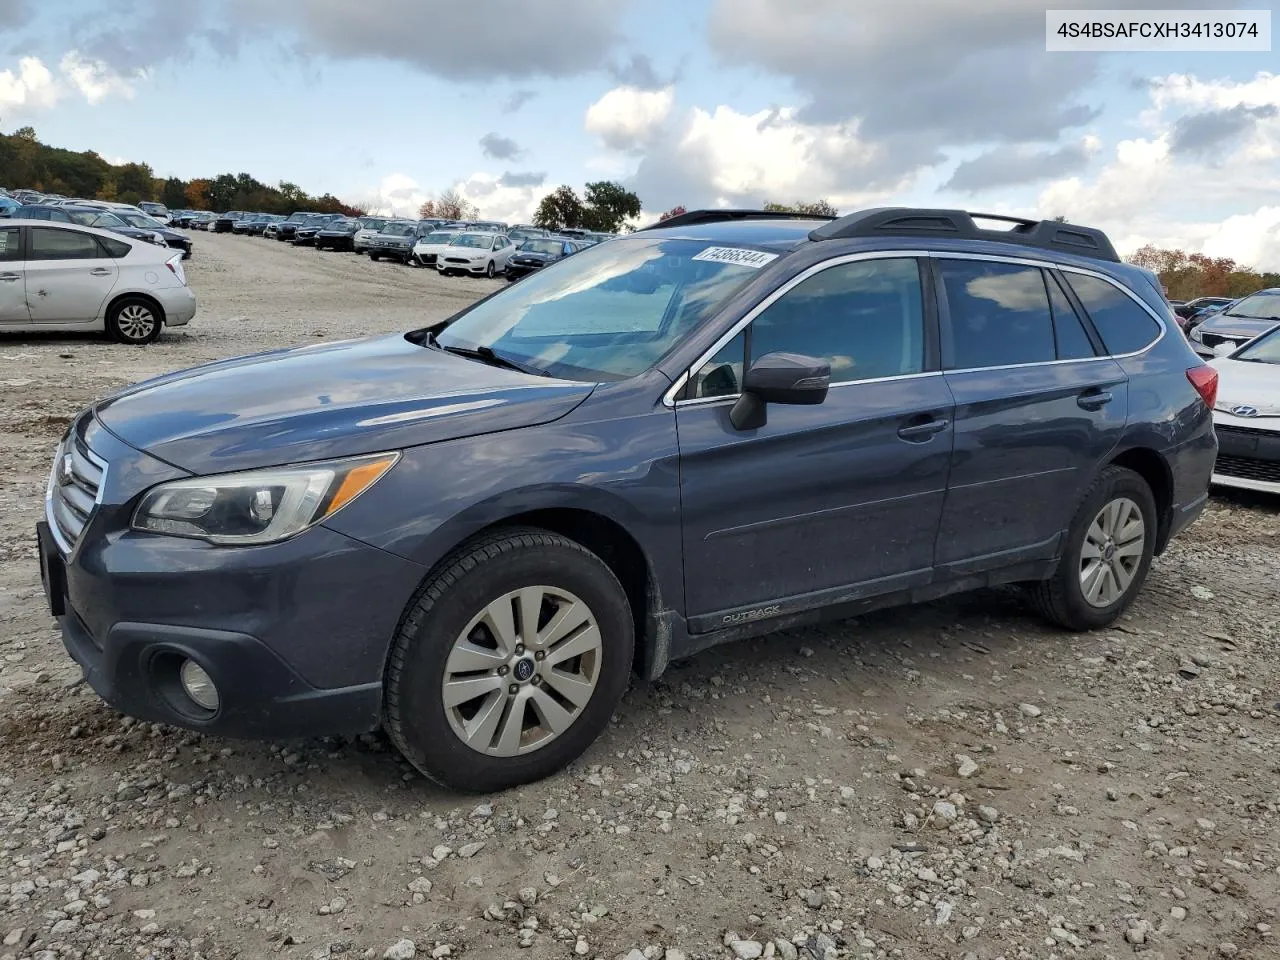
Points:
x=1190, y=275
x=26, y=162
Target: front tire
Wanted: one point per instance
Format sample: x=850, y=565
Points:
x=134, y=321
x=373, y=256
x=509, y=662
x=490, y=271
x=1110, y=545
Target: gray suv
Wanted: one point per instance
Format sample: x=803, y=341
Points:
x=472, y=534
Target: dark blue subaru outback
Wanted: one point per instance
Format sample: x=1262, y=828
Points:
x=470, y=535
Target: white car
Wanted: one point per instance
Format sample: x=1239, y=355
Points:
x=429, y=247
x=65, y=277
x=476, y=252
x=370, y=226
x=1246, y=415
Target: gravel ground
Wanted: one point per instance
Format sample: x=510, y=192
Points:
x=954, y=780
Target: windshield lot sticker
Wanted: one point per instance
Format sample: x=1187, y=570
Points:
x=743, y=258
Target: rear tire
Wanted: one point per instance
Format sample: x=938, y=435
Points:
x=450, y=634
x=134, y=321
x=1110, y=545
x=373, y=256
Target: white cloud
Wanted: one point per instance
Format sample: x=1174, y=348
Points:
x=726, y=158
x=627, y=117
x=1250, y=238
x=31, y=87
x=95, y=79
x=34, y=87
x=396, y=195
x=400, y=195
x=1187, y=90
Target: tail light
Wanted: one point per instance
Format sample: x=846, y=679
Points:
x=175, y=267
x=1205, y=379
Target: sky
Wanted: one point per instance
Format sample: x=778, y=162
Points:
x=704, y=103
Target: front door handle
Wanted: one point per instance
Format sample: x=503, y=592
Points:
x=1094, y=399
x=99, y=272
x=918, y=432
x=9, y=278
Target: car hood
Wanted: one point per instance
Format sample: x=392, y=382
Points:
x=1242, y=383
x=328, y=400
x=533, y=255
x=1226, y=325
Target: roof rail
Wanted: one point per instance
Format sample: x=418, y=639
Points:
x=719, y=216
x=960, y=225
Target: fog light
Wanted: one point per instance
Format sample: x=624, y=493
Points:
x=198, y=685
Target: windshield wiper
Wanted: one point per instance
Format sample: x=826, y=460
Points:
x=485, y=355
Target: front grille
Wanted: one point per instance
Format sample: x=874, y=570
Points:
x=1224, y=430
x=73, y=490
x=455, y=260
x=1212, y=340
x=1246, y=468
x=429, y=258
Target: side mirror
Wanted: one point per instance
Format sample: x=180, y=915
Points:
x=1225, y=349
x=791, y=378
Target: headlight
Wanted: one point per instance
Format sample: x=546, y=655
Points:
x=158, y=239
x=1197, y=336
x=258, y=506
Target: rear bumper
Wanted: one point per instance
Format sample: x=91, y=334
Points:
x=179, y=306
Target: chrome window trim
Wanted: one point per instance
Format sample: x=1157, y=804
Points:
x=668, y=398
x=66, y=548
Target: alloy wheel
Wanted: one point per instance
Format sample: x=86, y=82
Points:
x=1112, y=552
x=522, y=671
x=136, y=321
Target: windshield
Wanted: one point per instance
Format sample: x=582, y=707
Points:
x=1260, y=306
x=297, y=217
x=441, y=237
x=607, y=313
x=550, y=247
x=88, y=218
x=1265, y=349
x=153, y=207
x=373, y=223
x=141, y=220
x=399, y=229
x=340, y=224
x=481, y=241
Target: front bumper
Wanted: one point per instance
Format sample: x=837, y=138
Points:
x=1248, y=456
x=273, y=626
x=470, y=266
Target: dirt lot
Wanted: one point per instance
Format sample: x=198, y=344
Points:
x=950, y=781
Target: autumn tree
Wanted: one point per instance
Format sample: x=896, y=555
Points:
x=1186, y=276
x=815, y=208
x=197, y=194
x=451, y=205
x=673, y=212
x=428, y=210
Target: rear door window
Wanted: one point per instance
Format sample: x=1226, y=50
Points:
x=1123, y=325
x=10, y=244
x=1073, y=341
x=51, y=244
x=999, y=314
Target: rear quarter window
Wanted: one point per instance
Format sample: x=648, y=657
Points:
x=1123, y=325
x=115, y=248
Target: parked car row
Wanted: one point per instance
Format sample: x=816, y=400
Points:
x=478, y=247
x=126, y=219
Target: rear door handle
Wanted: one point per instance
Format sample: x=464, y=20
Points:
x=9, y=278
x=917, y=432
x=99, y=272
x=1094, y=399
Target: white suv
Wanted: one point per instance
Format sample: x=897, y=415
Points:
x=64, y=277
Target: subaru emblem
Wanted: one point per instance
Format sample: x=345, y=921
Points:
x=64, y=470
x=1245, y=411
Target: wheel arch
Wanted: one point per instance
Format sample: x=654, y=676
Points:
x=599, y=524
x=151, y=301
x=1155, y=470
